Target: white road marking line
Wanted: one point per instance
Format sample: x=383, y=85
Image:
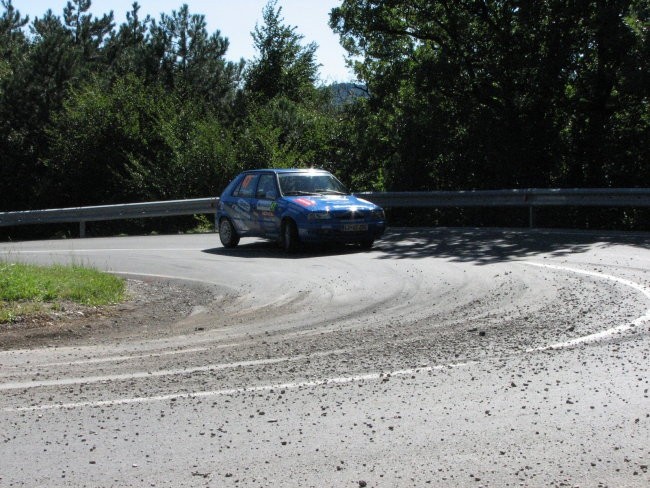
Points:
x=167, y=277
x=113, y=359
x=110, y=359
x=233, y=391
x=145, y=374
x=370, y=376
x=59, y=251
x=166, y=372
x=605, y=333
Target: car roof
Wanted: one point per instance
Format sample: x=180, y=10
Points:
x=286, y=170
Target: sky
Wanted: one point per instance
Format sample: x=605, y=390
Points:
x=235, y=19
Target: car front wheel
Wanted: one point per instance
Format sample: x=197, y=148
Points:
x=290, y=242
x=228, y=234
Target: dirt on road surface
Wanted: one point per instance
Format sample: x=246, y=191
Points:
x=443, y=357
x=153, y=308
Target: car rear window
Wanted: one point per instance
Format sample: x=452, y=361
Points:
x=246, y=187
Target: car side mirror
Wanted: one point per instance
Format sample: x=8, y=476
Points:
x=271, y=195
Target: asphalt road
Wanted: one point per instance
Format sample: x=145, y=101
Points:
x=444, y=357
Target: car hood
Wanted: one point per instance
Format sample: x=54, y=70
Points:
x=331, y=202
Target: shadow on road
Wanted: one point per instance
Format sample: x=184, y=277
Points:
x=486, y=246
x=481, y=246
x=268, y=249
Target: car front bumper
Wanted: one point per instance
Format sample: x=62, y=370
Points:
x=341, y=231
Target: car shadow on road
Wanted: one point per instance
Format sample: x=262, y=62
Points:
x=487, y=246
x=268, y=249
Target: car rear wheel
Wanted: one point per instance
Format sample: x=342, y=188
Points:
x=290, y=241
x=228, y=234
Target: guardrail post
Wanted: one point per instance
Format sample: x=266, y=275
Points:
x=82, y=228
x=531, y=217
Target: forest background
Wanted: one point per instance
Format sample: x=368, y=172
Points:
x=451, y=95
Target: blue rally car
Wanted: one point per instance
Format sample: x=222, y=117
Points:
x=295, y=206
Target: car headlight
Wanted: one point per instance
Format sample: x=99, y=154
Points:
x=319, y=216
x=378, y=214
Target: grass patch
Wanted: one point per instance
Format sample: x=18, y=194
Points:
x=204, y=225
x=25, y=288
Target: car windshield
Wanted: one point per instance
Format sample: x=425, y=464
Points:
x=310, y=184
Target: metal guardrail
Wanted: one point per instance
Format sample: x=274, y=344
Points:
x=580, y=197
x=169, y=208
x=531, y=198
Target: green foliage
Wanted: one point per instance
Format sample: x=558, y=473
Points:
x=151, y=110
x=12, y=39
x=107, y=141
x=503, y=94
x=283, y=66
x=58, y=55
x=75, y=283
x=283, y=133
x=286, y=120
x=31, y=290
x=16, y=147
x=192, y=61
x=356, y=138
x=452, y=95
x=202, y=225
x=132, y=142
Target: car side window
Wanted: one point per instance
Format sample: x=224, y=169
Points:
x=265, y=187
x=245, y=188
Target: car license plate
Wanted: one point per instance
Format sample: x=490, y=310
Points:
x=355, y=227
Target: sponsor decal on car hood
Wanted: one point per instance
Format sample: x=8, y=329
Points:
x=327, y=202
x=302, y=201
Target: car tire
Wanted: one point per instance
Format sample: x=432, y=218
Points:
x=367, y=244
x=290, y=241
x=228, y=234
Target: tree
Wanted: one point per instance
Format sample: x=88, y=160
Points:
x=192, y=61
x=479, y=94
x=130, y=141
x=285, y=134
x=88, y=34
x=128, y=49
x=285, y=119
x=14, y=140
x=609, y=96
x=80, y=108
x=283, y=66
x=58, y=55
x=13, y=45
